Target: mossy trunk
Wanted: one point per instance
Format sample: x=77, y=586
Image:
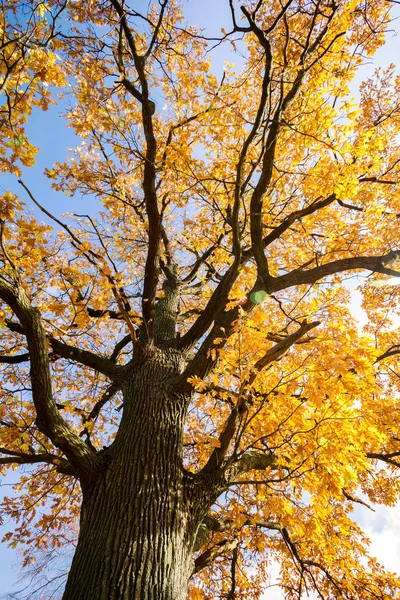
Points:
x=136, y=535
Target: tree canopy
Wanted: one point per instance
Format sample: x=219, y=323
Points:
x=234, y=207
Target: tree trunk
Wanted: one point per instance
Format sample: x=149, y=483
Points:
x=137, y=535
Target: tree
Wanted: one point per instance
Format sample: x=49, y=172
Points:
x=186, y=363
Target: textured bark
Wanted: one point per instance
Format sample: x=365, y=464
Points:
x=167, y=309
x=136, y=535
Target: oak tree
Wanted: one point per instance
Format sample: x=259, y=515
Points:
x=182, y=370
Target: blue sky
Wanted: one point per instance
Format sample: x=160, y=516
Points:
x=48, y=132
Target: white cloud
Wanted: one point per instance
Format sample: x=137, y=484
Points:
x=383, y=527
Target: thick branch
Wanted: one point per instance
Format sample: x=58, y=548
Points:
x=157, y=28
x=231, y=595
x=14, y=360
x=87, y=358
x=209, y=556
x=356, y=500
x=98, y=313
x=48, y=418
x=167, y=307
x=103, y=365
x=252, y=460
x=371, y=263
x=128, y=85
x=278, y=350
x=256, y=203
x=385, y=457
x=215, y=308
x=392, y=351
x=267, y=165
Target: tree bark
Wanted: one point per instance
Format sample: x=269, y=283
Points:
x=137, y=531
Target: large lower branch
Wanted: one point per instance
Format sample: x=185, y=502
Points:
x=48, y=419
x=208, y=557
x=252, y=460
